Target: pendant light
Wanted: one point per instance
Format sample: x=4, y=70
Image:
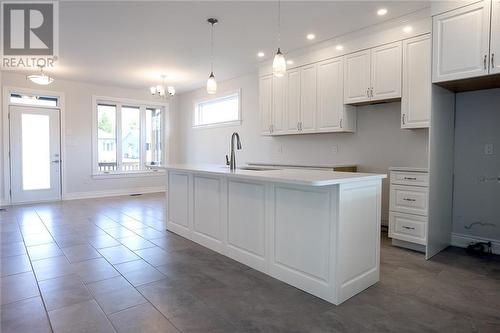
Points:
x=211, y=83
x=279, y=62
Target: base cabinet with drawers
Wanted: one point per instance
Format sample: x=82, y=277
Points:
x=408, y=207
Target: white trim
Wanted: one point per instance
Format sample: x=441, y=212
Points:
x=7, y=91
x=464, y=240
x=113, y=193
x=138, y=174
x=220, y=96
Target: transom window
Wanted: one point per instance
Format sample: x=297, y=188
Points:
x=128, y=137
x=218, y=111
x=34, y=100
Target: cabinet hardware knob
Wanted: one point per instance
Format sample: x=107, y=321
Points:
x=371, y=92
x=368, y=92
x=492, y=60
x=341, y=122
x=404, y=122
x=484, y=61
x=409, y=199
x=410, y=178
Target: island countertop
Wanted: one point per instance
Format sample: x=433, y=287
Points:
x=290, y=176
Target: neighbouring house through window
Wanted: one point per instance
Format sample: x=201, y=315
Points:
x=128, y=136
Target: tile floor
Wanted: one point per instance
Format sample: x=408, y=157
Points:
x=108, y=265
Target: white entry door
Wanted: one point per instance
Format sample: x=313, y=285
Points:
x=35, y=162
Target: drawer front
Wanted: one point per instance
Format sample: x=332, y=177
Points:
x=407, y=227
x=409, y=199
x=410, y=178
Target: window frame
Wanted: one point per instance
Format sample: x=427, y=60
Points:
x=222, y=96
x=142, y=106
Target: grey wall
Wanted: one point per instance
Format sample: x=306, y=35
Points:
x=476, y=199
x=378, y=143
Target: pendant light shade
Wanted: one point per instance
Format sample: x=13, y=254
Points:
x=279, y=62
x=211, y=83
x=41, y=79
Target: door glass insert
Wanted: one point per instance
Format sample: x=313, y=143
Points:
x=35, y=151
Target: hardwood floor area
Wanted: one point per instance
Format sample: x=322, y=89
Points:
x=108, y=265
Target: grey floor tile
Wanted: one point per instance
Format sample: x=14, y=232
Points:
x=12, y=249
x=94, y=270
x=102, y=241
x=120, y=232
x=38, y=239
x=84, y=317
x=44, y=251
x=26, y=316
x=132, y=266
x=108, y=285
x=136, y=243
x=119, y=299
x=141, y=318
x=149, y=233
x=80, y=253
x=51, y=268
x=118, y=254
x=18, y=287
x=143, y=276
x=63, y=291
x=14, y=265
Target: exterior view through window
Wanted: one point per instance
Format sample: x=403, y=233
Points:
x=129, y=137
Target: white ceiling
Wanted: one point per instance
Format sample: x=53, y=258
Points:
x=131, y=44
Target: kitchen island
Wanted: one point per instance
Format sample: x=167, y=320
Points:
x=316, y=230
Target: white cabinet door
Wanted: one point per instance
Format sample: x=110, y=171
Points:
x=386, y=72
x=266, y=103
x=416, y=98
x=330, y=94
x=495, y=38
x=461, y=43
x=308, y=98
x=357, y=77
x=292, y=100
x=279, y=103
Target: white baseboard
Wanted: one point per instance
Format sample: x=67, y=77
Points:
x=464, y=240
x=113, y=193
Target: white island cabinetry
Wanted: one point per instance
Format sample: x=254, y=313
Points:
x=316, y=230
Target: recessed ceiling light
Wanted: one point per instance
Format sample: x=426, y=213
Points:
x=311, y=36
x=339, y=47
x=260, y=54
x=408, y=29
x=289, y=62
x=381, y=12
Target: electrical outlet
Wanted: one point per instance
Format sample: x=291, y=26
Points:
x=488, y=149
x=335, y=149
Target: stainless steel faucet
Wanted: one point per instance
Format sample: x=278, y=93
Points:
x=232, y=162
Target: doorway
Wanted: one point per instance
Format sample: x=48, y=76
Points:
x=35, y=154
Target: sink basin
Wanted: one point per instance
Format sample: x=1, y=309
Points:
x=252, y=168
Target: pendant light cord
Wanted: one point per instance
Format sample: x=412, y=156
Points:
x=212, y=49
x=279, y=23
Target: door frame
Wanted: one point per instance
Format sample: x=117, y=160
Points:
x=7, y=91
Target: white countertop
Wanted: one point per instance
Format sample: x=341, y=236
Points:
x=291, y=176
x=410, y=169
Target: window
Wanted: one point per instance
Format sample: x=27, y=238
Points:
x=129, y=137
x=25, y=99
x=219, y=111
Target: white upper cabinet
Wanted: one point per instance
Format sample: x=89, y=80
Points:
x=308, y=98
x=373, y=75
x=495, y=37
x=461, y=43
x=292, y=100
x=279, y=105
x=333, y=115
x=357, y=77
x=386, y=72
x=266, y=103
x=416, y=98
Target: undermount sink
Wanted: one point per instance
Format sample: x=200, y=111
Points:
x=252, y=168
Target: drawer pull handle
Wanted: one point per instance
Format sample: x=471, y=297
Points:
x=409, y=228
x=410, y=178
x=409, y=199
